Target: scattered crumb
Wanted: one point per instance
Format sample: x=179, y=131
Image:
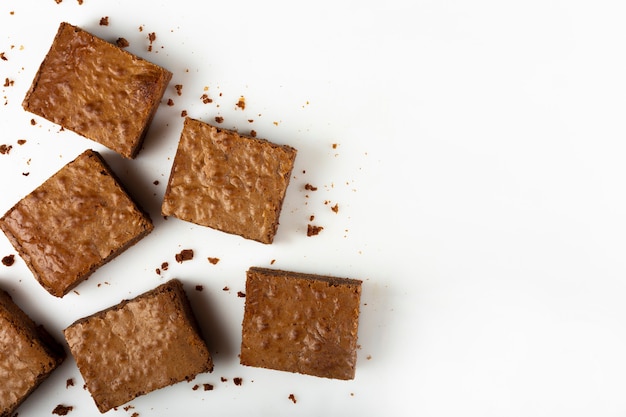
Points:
x=179, y=89
x=241, y=294
x=140, y=28
x=122, y=42
x=62, y=410
x=21, y=141
x=275, y=123
x=26, y=174
x=184, y=255
x=250, y=120
x=208, y=387
x=69, y=382
x=206, y=99
x=8, y=260
x=223, y=379
x=238, y=381
x=334, y=146
x=253, y=133
x=128, y=407
x=195, y=387
x=170, y=102
x=309, y=187
x=80, y=2
x=335, y=208
x=241, y=103
x=199, y=287
x=368, y=357
x=311, y=218
x=151, y=38
x=219, y=119
x=155, y=182
x=213, y=260
x=58, y=1
x=5, y=149
x=183, y=113
x=33, y=122
x=225, y=289
x=8, y=82
x=165, y=266
x=292, y=398
x=104, y=21
x=158, y=271
x=3, y=57
x=135, y=414
x=313, y=230
x=272, y=261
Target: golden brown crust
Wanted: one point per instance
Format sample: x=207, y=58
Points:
x=97, y=90
x=144, y=344
x=228, y=181
x=76, y=221
x=29, y=355
x=301, y=323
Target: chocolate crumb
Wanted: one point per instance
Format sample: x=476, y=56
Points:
x=253, y=133
x=272, y=261
x=183, y=113
x=122, y=43
x=184, y=255
x=311, y=218
x=135, y=414
x=309, y=187
x=69, y=382
x=213, y=260
x=208, y=387
x=225, y=289
x=241, y=103
x=179, y=89
x=104, y=21
x=3, y=57
x=33, y=122
x=5, y=149
x=335, y=208
x=155, y=182
x=206, y=99
x=219, y=119
x=238, y=381
x=223, y=379
x=292, y=398
x=8, y=260
x=313, y=230
x=195, y=387
x=165, y=266
x=21, y=141
x=241, y=294
x=170, y=102
x=62, y=410
x=199, y=287
x=26, y=174
x=158, y=271
x=8, y=82
x=250, y=120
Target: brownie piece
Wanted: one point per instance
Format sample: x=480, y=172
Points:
x=301, y=323
x=77, y=220
x=28, y=355
x=138, y=346
x=228, y=181
x=97, y=90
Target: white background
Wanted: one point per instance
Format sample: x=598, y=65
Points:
x=479, y=174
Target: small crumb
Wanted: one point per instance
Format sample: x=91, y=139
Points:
x=241, y=294
x=241, y=103
x=151, y=38
x=80, y=2
x=122, y=43
x=26, y=174
x=62, y=410
x=238, y=381
x=292, y=398
x=104, y=21
x=158, y=271
x=334, y=146
x=170, y=102
x=69, y=382
x=199, y=287
x=8, y=82
x=219, y=119
x=135, y=414
x=272, y=261
x=140, y=28
x=368, y=357
x=253, y=133
x=223, y=379
x=208, y=387
x=58, y=1
x=275, y=123
x=183, y=113
x=3, y=57
x=309, y=187
x=33, y=122
x=195, y=387
x=311, y=218
x=165, y=266
x=313, y=230
x=5, y=149
x=155, y=182
x=21, y=141
x=128, y=407
x=206, y=99
x=8, y=260
x=335, y=208
x=213, y=260
x=225, y=289
x=250, y=120
x=184, y=255
x=179, y=89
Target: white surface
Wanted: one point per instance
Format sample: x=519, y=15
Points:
x=479, y=175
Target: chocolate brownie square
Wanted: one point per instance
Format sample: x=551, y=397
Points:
x=28, y=355
x=77, y=220
x=139, y=346
x=302, y=323
x=97, y=90
x=228, y=181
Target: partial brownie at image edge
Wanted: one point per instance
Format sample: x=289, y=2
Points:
x=144, y=344
x=29, y=355
x=98, y=90
x=302, y=323
x=74, y=222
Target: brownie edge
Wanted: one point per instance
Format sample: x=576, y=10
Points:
x=144, y=344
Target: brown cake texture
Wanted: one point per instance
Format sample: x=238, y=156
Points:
x=77, y=220
x=139, y=346
x=228, y=181
x=300, y=322
x=28, y=355
x=97, y=90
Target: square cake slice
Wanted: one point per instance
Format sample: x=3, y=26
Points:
x=97, y=90
x=139, y=346
x=77, y=220
x=228, y=181
x=28, y=355
x=302, y=323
